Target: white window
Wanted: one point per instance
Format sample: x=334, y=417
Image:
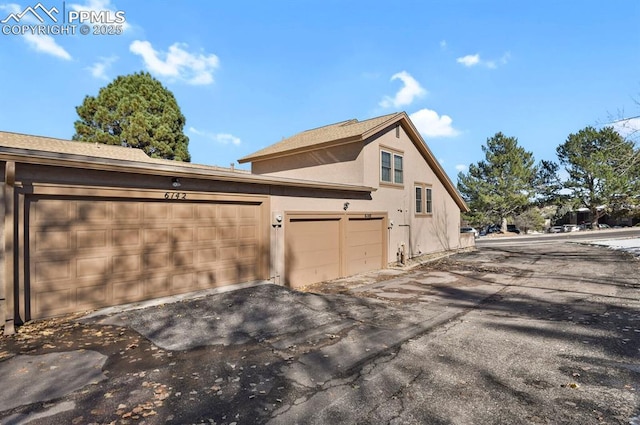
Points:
x=419, y=208
x=424, y=201
x=385, y=172
x=391, y=167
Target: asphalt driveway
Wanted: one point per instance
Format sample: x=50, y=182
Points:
x=499, y=335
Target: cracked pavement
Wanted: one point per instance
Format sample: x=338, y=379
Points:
x=540, y=335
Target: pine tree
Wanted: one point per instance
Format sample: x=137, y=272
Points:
x=135, y=111
x=604, y=171
x=501, y=185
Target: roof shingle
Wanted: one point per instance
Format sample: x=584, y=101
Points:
x=321, y=135
x=48, y=144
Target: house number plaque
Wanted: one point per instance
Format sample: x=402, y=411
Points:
x=175, y=195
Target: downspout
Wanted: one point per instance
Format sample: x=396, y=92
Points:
x=9, y=270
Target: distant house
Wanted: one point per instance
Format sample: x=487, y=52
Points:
x=88, y=226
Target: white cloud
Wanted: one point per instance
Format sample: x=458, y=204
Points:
x=221, y=138
x=11, y=8
x=461, y=167
x=469, y=60
x=177, y=63
x=627, y=127
x=410, y=90
x=430, y=124
x=443, y=44
x=475, y=60
x=40, y=43
x=46, y=44
x=99, y=69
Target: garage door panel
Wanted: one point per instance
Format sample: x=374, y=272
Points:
x=154, y=211
x=183, y=235
x=248, y=252
x=130, y=263
x=206, y=279
x=155, y=260
x=54, y=211
x=363, y=238
x=96, y=266
x=92, y=212
x=227, y=233
x=156, y=286
x=308, y=275
x=125, y=211
x=182, y=211
x=207, y=233
x=87, y=239
x=207, y=256
x=156, y=236
x=365, y=251
x=87, y=296
x=45, y=271
x=127, y=291
x=228, y=253
x=228, y=211
x=318, y=257
x=139, y=250
x=125, y=237
x=206, y=211
x=53, y=302
x=248, y=232
x=52, y=240
x=183, y=282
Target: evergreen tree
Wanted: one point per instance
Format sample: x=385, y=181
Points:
x=503, y=184
x=603, y=171
x=135, y=111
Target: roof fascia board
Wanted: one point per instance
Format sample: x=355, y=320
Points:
x=104, y=164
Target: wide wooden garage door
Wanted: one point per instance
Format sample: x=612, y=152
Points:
x=313, y=250
x=364, y=245
x=88, y=253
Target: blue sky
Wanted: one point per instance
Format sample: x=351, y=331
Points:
x=248, y=73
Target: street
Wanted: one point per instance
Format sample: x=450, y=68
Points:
x=512, y=333
x=550, y=238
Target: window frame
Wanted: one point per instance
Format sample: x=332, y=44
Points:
x=425, y=207
x=419, y=199
x=395, y=179
x=428, y=200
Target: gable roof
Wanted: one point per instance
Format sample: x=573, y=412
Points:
x=50, y=151
x=317, y=138
x=49, y=144
x=354, y=131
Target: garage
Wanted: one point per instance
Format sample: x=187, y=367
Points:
x=312, y=250
x=85, y=252
x=364, y=245
x=325, y=247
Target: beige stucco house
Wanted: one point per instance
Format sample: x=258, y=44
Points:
x=89, y=225
x=413, y=207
